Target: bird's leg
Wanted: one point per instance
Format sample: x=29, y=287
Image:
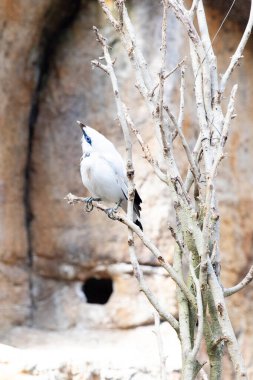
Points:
x=89, y=205
x=111, y=211
x=118, y=204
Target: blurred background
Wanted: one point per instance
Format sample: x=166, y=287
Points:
x=69, y=304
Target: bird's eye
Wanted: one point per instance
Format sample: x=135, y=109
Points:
x=88, y=139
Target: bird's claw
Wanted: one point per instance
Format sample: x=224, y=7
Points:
x=89, y=205
x=111, y=213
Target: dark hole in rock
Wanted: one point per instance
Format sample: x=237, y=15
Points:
x=97, y=290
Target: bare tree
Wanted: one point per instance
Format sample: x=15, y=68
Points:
x=202, y=310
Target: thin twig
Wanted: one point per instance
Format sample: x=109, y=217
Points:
x=146, y=150
x=163, y=126
x=193, y=9
x=181, y=106
x=195, y=169
x=242, y=284
x=177, y=240
x=196, y=154
x=214, y=38
x=160, y=347
x=238, y=53
x=98, y=64
x=166, y=76
x=148, y=293
x=225, y=129
x=109, y=15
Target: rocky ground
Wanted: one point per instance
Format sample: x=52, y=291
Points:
x=29, y=354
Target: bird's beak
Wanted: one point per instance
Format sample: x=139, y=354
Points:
x=82, y=126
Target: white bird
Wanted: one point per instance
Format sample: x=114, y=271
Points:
x=103, y=172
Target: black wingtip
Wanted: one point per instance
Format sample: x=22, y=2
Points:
x=137, y=203
x=138, y=223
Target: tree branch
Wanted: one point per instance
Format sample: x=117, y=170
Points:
x=166, y=76
x=96, y=63
x=238, y=53
x=72, y=199
x=193, y=9
x=194, y=168
x=182, y=90
x=162, y=356
x=207, y=44
x=225, y=324
x=223, y=139
x=145, y=148
x=242, y=284
x=109, y=15
x=199, y=335
x=148, y=293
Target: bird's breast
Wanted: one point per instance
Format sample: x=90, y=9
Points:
x=86, y=170
x=100, y=178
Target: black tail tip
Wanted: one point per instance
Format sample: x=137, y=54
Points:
x=138, y=223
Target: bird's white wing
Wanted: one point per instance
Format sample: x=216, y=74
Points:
x=105, y=148
x=116, y=162
x=102, y=178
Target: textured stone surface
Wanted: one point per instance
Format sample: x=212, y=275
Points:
x=64, y=305
x=25, y=29
x=20, y=26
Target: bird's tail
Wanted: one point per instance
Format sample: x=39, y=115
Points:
x=138, y=223
x=137, y=209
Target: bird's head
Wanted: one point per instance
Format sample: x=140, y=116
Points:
x=93, y=141
x=87, y=143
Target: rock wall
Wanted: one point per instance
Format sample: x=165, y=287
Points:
x=49, y=249
x=26, y=41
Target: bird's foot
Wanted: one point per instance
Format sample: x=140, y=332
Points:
x=89, y=204
x=112, y=211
